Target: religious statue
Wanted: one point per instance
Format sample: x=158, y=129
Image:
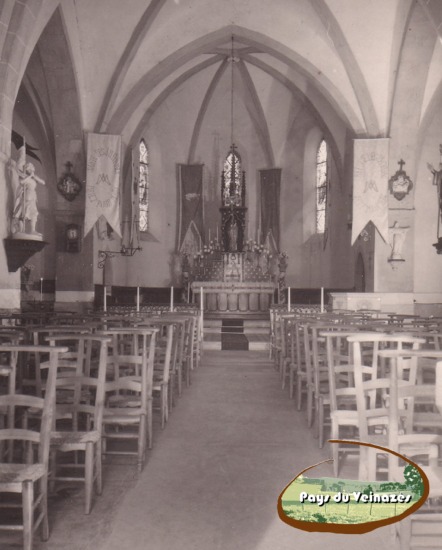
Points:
x=397, y=237
x=437, y=179
x=24, y=182
x=233, y=235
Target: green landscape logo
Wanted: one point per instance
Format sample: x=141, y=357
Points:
x=349, y=506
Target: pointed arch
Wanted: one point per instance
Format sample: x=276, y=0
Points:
x=206, y=44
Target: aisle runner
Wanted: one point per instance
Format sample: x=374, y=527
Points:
x=232, y=335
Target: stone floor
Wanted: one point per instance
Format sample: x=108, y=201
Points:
x=212, y=480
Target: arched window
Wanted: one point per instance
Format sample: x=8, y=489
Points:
x=321, y=186
x=143, y=187
x=232, y=180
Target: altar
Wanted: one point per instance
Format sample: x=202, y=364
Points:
x=234, y=297
x=232, y=274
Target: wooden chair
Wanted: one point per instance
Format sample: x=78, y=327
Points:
x=342, y=393
x=423, y=529
x=373, y=383
x=79, y=414
x=163, y=356
x=128, y=403
x=25, y=471
x=39, y=336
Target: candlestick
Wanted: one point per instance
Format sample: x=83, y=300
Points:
x=288, y=299
x=322, y=299
x=104, y=299
x=202, y=315
x=171, y=298
x=41, y=289
x=138, y=298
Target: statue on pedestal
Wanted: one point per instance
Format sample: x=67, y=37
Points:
x=24, y=182
x=233, y=235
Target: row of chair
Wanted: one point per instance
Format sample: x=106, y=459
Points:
x=374, y=380
x=99, y=394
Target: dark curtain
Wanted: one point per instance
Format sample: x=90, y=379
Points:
x=190, y=184
x=270, y=191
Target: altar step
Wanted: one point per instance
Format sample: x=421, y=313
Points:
x=238, y=334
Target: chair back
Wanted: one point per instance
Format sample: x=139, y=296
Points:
x=14, y=439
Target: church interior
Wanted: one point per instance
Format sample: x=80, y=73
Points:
x=208, y=190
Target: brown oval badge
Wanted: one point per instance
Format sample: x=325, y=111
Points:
x=348, y=506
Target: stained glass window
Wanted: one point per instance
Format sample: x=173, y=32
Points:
x=232, y=183
x=321, y=186
x=143, y=187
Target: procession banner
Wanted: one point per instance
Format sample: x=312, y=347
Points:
x=190, y=228
x=370, y=186
x=103, y=181
x=270, y=191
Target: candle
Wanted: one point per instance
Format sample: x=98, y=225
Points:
x=322, y=299
x=288, y=299
x=138, y=298
x=104, y=299
x=209, y=234
x=201, y=243
x=171, y=298
x=202, y=315
x=41, y=289
x=216, y=233
x=188, y=293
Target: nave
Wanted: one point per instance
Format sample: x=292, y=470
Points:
x=232, y=443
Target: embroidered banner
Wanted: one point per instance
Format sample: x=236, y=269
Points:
x=103, y=181
x=370, y=186
x=270, y=188
x=191, y=228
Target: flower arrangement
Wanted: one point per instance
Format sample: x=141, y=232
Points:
x=207, y=249
x=258, y=248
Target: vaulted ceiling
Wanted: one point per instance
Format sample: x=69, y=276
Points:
x=341, y=61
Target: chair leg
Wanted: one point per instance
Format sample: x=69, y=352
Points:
x=88, y=476
x=165, y=400
x=28, y=514
x=44, y=509
x=98, y=469
x=299, y=392
x=320, y=422
x=405, y=533
x=149, y=425
x=142, y=443
x=335, y=448
x=309, y=407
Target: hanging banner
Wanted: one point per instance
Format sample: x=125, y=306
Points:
x=191, y=227
x=103, y=181
x=370, y=186
x=270, y=191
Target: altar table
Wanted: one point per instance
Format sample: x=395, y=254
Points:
x=234, y=297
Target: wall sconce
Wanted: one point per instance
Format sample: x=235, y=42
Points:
x=69, y=185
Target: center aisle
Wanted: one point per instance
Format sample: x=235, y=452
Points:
x=213, y=478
